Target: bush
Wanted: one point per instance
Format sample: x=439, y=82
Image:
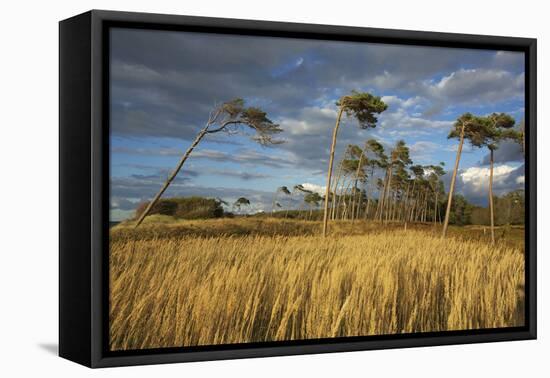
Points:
x=162, y=207
x=185, y=208
x=198, y=208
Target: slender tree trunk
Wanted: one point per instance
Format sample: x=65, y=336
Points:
x=384, y=202
x=425, y=216
x=389, y=202
x=359, y=204
x=329, y=173
x=491, y=198
x=352, y=201
x=403, y=215
x=411, y=210
x=435, y=209
x=387, y=198
x=391, y=205
x=173, y=175
x=336, y=183
x=369, y=193
x=355, y=184
x=338, y=209
x=396, y=202
x=381, y=197
x=418, y=212
x=345, y=209
x=453, y=181
x=411, y=205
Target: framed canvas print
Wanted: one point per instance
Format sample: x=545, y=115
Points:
x=234, y=188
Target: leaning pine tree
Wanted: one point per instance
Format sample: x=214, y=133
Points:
x=363, y=107
x=229, y=117
x=240, y=202
x=281, y=189
x=473, y=128
x=496, y=122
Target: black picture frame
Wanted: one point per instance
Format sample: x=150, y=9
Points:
x=84, y=187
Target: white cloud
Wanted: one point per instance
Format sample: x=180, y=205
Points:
x=520, y=180
x=385, y=80
x=315, y=188
x=399, y=118
x=394, y=101
x=422, y=151
x=474, y=85
x=310, y=121
x=474, y=181
x=479, y=176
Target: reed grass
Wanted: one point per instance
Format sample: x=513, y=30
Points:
x=208, y=290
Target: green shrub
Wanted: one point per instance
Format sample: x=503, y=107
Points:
x=185, y=208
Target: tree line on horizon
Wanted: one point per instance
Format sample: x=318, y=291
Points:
x=481, y=131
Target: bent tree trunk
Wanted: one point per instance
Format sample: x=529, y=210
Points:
x=329, y=174
x=355, y=185
x=381, y=198
x=435, y=209
x=172, y=176
x=333, y=198
x=491, y=198
x=453, y=181
x=387, y=197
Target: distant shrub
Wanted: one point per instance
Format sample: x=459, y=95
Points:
x=162, y=207
x=185, y=208
x=197, y=208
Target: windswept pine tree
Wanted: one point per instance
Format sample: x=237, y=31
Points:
x=336, y=193
x=434, y=174
x=496, y=123
x=467, y=126
x=376, y=158
x=363, y=107
x=312, y=199
x=230, y=117
x=240, y=202
x=281, y=189
x=300, y=190
x=399, y=158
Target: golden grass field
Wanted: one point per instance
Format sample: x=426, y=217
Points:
x=192, y=283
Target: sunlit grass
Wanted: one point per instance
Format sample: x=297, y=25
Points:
x=203, y=290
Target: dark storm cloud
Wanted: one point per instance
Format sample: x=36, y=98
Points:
x=243, y=156
x=165, y=83
x=508, y=151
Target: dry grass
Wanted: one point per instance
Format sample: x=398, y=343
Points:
x=161, y=226
x=195, y=290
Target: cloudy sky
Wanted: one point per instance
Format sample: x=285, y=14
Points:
x=164, y=84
